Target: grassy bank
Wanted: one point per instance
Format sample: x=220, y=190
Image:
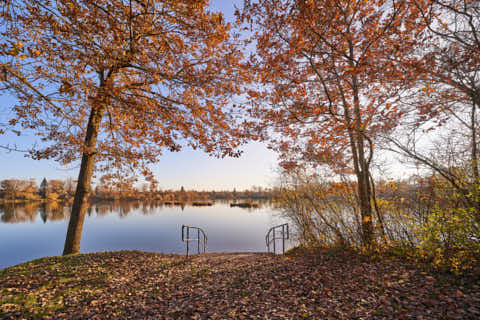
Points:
x=321, y=285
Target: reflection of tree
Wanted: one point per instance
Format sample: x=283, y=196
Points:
x=151, y=206
x=124, y=209
x=136, y=204
x=15, y=213
x=43, y=213
x=9, y=213
x=146, y=208
x=54, y=210
x=89, y=211
x=103, y=208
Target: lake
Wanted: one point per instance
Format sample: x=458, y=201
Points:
x=35, y=230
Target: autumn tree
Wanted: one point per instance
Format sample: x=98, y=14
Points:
x=122, y=81
x=330, y=76
x=12, y=60
x=69, y=186
x=11, y=187
x=443, y=134
x=56, y=187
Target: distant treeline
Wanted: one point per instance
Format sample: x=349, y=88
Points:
x=17, y=189
x=63, y=190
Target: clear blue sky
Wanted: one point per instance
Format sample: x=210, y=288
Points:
x=188, y=168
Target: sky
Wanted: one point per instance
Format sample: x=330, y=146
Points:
x=188, y=168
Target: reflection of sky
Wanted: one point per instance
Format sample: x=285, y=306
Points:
x=228, y=230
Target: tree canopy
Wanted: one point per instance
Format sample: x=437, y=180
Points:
x=159, y=72
x=115, y=83
x=332, y=74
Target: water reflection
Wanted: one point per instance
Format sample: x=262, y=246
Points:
x=35, y=229
x=27, y=212
x=54, y=211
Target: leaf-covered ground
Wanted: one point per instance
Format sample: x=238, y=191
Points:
x=140, y=285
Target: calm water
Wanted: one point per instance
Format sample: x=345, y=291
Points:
x=37, y=230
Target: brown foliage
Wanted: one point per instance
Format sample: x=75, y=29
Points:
x=19, y=189
x=156, y=71
x=117, y=83
x=332, y=74
x=126, y=285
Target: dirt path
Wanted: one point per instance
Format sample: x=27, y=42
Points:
x=140, y=285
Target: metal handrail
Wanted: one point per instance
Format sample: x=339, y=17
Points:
x=187, y=239
x=272, y=229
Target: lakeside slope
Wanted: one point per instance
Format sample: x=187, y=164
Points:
x=142, y=285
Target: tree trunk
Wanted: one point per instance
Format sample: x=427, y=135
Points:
x=474, y=156
x=362, y=169
x=80, y=202
x=365, y=206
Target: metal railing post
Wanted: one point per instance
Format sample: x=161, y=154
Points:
x=188, y=238
x=204, y=243
x=268, y=242
x=198, y=241
x=274, y=239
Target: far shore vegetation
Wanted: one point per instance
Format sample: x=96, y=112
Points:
x=17, y=190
